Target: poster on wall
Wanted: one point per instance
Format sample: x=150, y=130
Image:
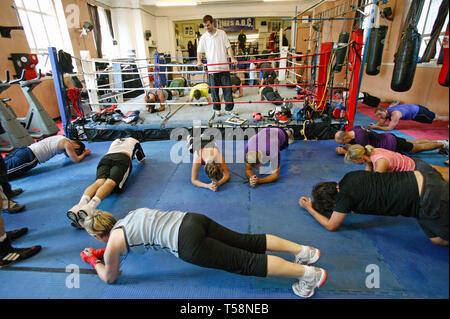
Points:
x=235, y=24
x=275, y=26
x=189, y=30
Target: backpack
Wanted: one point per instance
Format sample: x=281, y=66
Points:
x=320, y=130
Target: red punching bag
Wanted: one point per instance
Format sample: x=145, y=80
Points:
x=444, y=74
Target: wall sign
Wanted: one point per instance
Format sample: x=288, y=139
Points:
x=235, y=24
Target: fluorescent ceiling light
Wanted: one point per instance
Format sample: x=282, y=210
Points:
x=175, y=4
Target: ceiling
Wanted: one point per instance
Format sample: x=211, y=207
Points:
x=135, y=3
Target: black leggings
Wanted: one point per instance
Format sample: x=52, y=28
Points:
x=203, y=242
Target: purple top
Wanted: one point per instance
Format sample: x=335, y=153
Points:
x=365, y=137
x=269, y=141
x=409, y=111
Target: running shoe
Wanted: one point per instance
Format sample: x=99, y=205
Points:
x=313, y=255
x=305, y=289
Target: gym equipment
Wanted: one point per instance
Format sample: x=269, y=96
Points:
x=24, y=61
x=408, y=50
x=406, y=61
x=37, y=122
x=444, y=73
x=341, y=51
x=375, y=50
x=13, y=135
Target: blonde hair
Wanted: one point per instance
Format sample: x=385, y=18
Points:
x=99, y=223
x=252, y=158
x=355, y=152
x=213, y=171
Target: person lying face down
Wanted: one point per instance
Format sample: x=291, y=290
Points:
x=265, y=147
x=197, y=239
x=413, y=112
x=381, y=160
x=23, y=159
x=198, y=91
x=421, y=195
x=363, y=136
x=206, y=153
x=156, y=99
x=112, y=174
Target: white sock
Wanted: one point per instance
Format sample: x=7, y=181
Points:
x=92, y=205
x=84, y=200
x=309, y=273
x=304, y=252
x=2, y=238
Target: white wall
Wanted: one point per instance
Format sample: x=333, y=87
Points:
x=130, y=23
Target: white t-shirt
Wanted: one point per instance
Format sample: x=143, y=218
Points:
x=253, y=74
x=47, y=148
x=215, y=48
x=128, y=145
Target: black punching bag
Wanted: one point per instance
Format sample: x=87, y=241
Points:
x=341, y=51
x=406, y=60
x=375, y=49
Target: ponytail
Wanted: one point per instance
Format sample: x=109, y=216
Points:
x=355, y=152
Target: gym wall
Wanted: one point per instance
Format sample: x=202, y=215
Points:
x=425, y=89
x=45, y=92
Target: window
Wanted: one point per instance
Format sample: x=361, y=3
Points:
x=45, y=25
x=425, y=26
x=108, y=49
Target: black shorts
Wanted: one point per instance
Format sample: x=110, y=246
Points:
x=205, y=243
x=403, y=146
x=115, y=166
x=433, y=210
x=424, y=115
x=424, y=166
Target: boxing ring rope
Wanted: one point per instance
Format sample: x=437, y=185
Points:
x=144, y=70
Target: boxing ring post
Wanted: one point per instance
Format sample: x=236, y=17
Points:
x=325, y=55
x=355, y=62
x=58, y=80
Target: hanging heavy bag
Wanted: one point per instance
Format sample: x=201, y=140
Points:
x=406, y=60
x=375, y=50
x=341, y=51
x=444, y=74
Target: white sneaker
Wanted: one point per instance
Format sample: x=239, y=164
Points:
x=218, y=113
x=313, y=254
x=231, y=113
x=305, y=289
x=446, y=145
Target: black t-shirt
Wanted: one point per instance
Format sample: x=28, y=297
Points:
x=372, y=193
x=235, y=80
x=242, y=38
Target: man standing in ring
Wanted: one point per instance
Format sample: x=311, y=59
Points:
x=217, y=48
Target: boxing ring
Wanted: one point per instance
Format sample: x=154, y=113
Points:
x=297, y=90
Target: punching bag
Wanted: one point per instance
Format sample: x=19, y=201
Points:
x=444, y=74
x=405, y=60
x=341, y=51
x=375, y=49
